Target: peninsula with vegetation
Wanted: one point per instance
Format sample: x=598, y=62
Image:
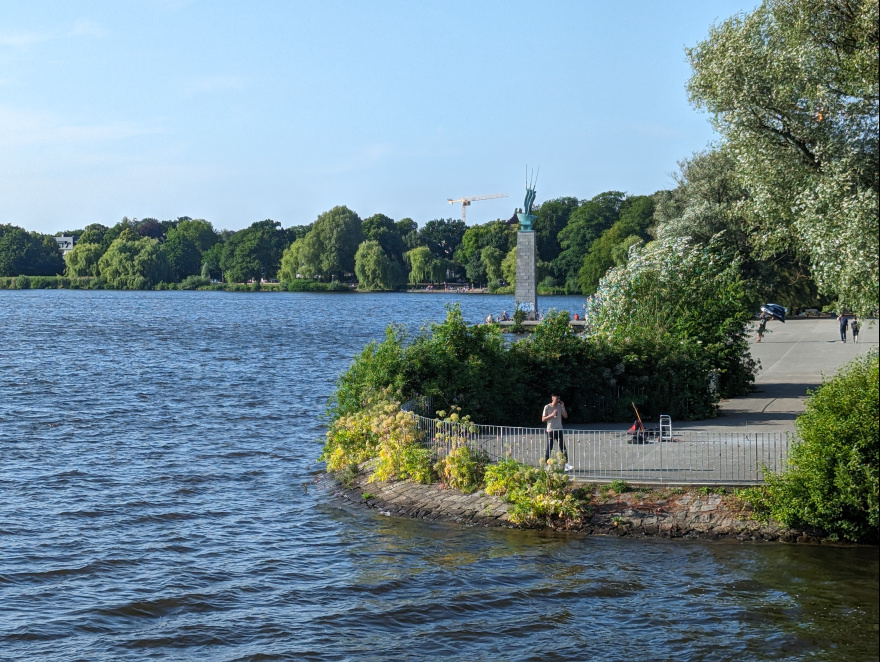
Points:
x=784, y=208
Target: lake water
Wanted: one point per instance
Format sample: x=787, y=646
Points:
x=157, y=459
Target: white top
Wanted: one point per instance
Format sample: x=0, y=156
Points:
x=554, y=423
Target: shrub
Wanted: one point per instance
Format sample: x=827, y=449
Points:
x=832, y=483
x=499, y=382
x=536, y=496
x=619, y=486
x=383, y=432
x=462, y=467
x=194, y=282
x=304, y=285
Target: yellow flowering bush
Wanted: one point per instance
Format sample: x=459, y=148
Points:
x=462, y=467
x=536, y=495
x=381, y=431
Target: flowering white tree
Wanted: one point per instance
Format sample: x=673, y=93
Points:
x=692, y=292
x=793, y=90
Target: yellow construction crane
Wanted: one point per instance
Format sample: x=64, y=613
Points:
x=465, y=202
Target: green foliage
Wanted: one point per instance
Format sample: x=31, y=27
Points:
x=253, y=253
x=496, y=382
x=82, y=260
x=28, y=253
x=184, y=256
x=793, y=89
x=552, y=217
x=443, y=236
x=327, y=252
x=536, y=496
x=710, y=205
x=585, y=225
x=134, y=263
x=199, y=231
x=382, y=229
x=619, y=486
x=676, y=292
x=636, y=216
x=383, y=433
x=194, y=282
x=424, y=266
x=303, y=285
x=42, y=283
x=378, y=368
x=374, y=270
x=462, y=467
x=832, y=482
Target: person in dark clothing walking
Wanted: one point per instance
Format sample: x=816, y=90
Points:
x=854, y=325
x=843, y=322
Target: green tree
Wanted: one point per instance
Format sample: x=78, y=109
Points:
x=133, y=262
x=636, y=216
x=552, y=217
x=328, y=250
x=211, y=259
x=199, y=231
x=492, y=258
x=91, y=234
x=443, y=236
x=709, y=204
x=375, y=270
x=254, y=253
x=408, y=230
x=424, y=266
x=673, y=288
x=833, y=480
x=793, y=90
x=184, y=256
x=585, y=224
x=28, y=253
x=379, y=227
x=508, y=267
x=82, y=260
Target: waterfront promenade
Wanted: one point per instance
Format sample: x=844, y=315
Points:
x=751, y=432
x=793, y=358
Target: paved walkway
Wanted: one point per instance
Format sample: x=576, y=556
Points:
x=794, y=356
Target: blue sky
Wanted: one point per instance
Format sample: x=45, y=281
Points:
x=236, y=112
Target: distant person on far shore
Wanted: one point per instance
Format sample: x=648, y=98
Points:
x=843, y=322
x=854, y=325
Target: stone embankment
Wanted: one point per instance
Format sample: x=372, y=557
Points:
x=648, y=511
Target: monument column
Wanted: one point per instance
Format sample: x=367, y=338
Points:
x=526, y=290
x=526, y=271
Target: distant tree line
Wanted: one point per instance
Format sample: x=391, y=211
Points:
x=577, y=242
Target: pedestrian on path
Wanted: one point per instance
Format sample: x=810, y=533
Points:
x=854, y=325
x=762, y=326
x=552, y=416
x=843, y=322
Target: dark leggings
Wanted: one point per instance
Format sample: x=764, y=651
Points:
x=843, y=333
x=555, y=435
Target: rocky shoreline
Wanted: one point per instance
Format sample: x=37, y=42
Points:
x=646, y=511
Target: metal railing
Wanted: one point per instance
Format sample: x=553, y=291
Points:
x=681, y=457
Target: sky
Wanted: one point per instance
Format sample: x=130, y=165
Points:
x=240, y=111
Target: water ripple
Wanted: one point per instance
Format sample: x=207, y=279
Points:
x=153, y=453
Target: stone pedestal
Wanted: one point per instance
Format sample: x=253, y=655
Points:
x=526, y=272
